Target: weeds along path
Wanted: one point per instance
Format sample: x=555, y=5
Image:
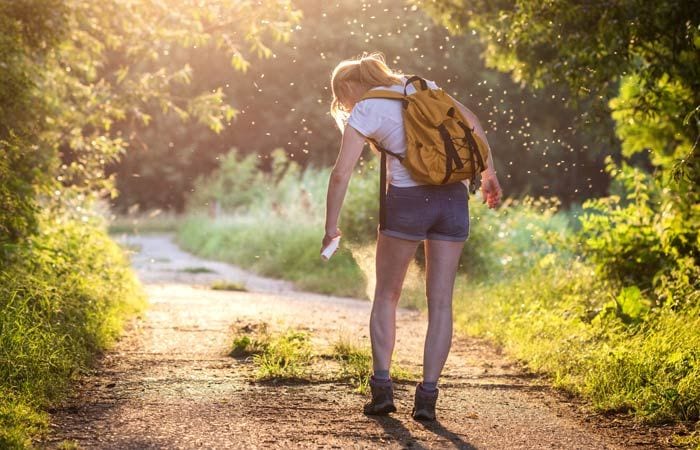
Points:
x=170, y=383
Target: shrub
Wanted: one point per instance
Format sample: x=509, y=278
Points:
x=639, y=237
x=62, y=299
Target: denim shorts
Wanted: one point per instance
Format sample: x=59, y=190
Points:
x=435, y=212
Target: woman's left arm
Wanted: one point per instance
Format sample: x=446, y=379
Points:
x=350, y=151
x=490, y=187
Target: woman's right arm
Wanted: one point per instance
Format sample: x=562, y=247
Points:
x=350, y=151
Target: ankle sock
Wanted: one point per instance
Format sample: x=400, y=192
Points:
x=381, y=375
x=429, y=386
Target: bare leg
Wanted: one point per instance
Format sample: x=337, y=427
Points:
x=393, y=257
x=442, y=258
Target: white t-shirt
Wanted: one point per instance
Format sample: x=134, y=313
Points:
x=381, y=119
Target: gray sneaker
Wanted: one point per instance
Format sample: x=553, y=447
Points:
x=424, y=407
x=382, y=402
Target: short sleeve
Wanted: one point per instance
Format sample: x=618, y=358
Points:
x=363, y=120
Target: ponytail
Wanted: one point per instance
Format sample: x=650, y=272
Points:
x=374, y=72
x=369, y=70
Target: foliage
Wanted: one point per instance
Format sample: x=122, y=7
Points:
x=285, y=357
x=110, y=88
x=274, y=246
x=240, y=185
x=284, y=103
x=20, y=170
x=62, y=299
x=513, y=238
x=640, y=60
x=638, y=63
x=628, y=241
x=28, y=31
x=235, y=184
x=567, y=322
x=77, y=69
x=585, y=45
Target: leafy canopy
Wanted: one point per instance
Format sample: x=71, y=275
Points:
x=594, y=47
x=73, y=69
x=638, y=62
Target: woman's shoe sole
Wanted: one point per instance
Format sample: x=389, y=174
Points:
x=383, y=411
x=423, y=417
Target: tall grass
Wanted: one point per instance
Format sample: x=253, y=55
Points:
x=275, y=226
x=62, y=299
x=563, y=320
x=276, y=247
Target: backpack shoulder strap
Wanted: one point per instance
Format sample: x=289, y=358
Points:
x=382, y=93
x=419, y=83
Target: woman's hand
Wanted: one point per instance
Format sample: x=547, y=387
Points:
x=328, y=237
x=490, y=188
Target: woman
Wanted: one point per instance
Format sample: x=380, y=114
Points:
x=435, y=214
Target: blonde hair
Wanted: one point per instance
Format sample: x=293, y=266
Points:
x=368, y=70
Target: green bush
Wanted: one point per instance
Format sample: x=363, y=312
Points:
x=639, y=237
x=235, y=184
x=506, y=241
x=28, y=31
x=241, y=186
x=591, y=337
x=360, y=215
x=62, y=299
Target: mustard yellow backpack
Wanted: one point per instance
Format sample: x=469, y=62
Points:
x=441, y=146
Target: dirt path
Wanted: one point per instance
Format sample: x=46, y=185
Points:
x=170, y=384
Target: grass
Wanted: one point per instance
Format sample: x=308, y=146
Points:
x=63, y=299
x=228, y=286
x=289, y=356
x=285, y=356
x=251, y=340
x=155, y=221
x=197, y=270
x=356, y=365
x=275, y=247
x=564, y=321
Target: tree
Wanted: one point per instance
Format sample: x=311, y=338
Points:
x=638, y=62
x=28, y=32
x=77, y=68
x=284, y=103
